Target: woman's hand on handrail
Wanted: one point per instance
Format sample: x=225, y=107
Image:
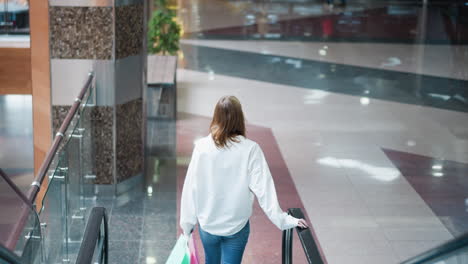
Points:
x=302, y=223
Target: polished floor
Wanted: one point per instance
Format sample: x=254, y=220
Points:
x=361, y=110
x=368, y=108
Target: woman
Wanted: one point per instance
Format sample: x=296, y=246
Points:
x=226, y=170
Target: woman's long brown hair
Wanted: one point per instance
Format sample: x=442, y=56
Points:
x=228, y=121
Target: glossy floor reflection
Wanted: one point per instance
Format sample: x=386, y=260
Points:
x=443, y=185
x=332, y=147
x=367, y=83
x=142, y=226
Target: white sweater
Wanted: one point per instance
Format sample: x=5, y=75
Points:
x=220, y=185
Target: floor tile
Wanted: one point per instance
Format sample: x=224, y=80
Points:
x=160, y=227
x=417, y=234
x=125, y=227
x=156, y=252
x=124, y=252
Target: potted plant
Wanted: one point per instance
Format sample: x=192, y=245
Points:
x=163, y=45
x=163, y=31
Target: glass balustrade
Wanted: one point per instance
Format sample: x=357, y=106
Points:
x=16, y=210
x=69, y=189
x=47, y=225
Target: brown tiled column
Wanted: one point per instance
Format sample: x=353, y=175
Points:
x=106, y=36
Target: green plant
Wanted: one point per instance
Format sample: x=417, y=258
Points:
x=160, y=4
x=163, y=32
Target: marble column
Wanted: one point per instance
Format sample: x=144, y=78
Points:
x=106, y=36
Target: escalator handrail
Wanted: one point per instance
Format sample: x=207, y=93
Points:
x=8, y=256
x=308, y=242
x=440, y=251
x=92, y=234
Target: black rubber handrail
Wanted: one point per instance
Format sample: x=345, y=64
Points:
x=7, y=256
x=93, y=233
x=308, y=242
x=446, y=249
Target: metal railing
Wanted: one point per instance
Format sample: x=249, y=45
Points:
x=308, y=242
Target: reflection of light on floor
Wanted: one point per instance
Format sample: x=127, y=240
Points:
x=315, y=97
x=365, y=100
x=391, y=62
x=150, y=260
x=296, y=63
x=211, y=75
x=380, y=173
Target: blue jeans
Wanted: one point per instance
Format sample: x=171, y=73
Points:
x=225, y=249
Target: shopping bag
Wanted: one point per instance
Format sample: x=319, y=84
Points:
x=180, y=254
x=193, y=251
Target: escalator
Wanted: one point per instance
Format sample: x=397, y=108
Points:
x=60, y=225
x=454, y=251
x=95, y=246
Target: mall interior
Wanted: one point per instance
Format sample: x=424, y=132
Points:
x=360, y=107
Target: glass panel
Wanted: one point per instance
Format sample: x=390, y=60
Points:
x=74, y=153
x=30, y=240
x=53, y=214
x=19, y=226
x=64, y=205
x=85, y=129
x=76, y=213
